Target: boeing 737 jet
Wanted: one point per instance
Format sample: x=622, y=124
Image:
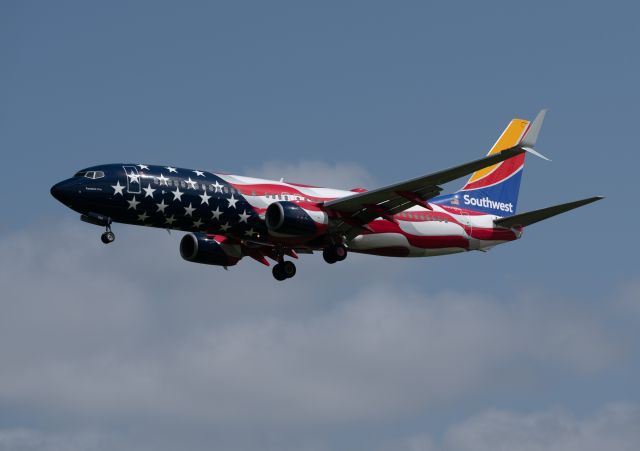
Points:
x=230, y=217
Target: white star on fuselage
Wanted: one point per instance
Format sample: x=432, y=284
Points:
x=163, y=180
x=225, y=227
x=161, y=206
x=143, y=217
x=250, y=233
x=197, y=224
x=199, y=173
x=244, y=216
x=205, y=198
x=133, y=203
x=232, y=201
x=216, y=213
x=134, y=178
x=189, y=210
x=170, y=169
x=148, y=191
x=143, y=166
x=177, y=194
x=191, y=183
x=170, y=220
x=118, y=188
x=217, y=187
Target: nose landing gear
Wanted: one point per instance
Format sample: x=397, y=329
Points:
x=100, y=220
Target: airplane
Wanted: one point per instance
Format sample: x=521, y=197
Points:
x=230, y=217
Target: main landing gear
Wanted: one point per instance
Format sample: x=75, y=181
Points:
x=284, y=270
x=334, y=253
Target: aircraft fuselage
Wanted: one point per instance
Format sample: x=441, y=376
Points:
x=234, y=206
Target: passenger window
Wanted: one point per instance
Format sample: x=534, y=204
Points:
x=286, y=197
x=182, y=184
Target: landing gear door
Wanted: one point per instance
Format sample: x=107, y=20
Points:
x=133, y=179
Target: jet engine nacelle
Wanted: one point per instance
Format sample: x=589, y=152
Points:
x=287, y=219
x=209, y=249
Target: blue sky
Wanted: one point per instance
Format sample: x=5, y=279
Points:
x=335, y=93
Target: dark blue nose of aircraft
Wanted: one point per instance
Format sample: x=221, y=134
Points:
x=64, y=191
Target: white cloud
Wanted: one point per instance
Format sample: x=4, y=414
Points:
x=130, y=329
x=36, y=440
x=319, y=173
x=613, y=427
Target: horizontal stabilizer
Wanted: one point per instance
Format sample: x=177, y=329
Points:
x=531, y=217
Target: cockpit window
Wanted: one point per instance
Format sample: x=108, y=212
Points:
x=91, y=174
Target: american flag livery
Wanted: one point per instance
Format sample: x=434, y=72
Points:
x=230, y=217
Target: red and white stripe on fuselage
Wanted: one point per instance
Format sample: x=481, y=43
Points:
x=416, y=232
x=424, y=233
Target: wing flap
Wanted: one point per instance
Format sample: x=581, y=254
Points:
x=531, y=217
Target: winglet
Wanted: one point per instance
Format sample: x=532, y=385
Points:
x=529, y=139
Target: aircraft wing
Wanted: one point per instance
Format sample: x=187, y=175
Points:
x=531, y=217
x=359, y=209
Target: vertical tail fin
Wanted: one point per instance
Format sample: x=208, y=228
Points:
x=494, y=190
